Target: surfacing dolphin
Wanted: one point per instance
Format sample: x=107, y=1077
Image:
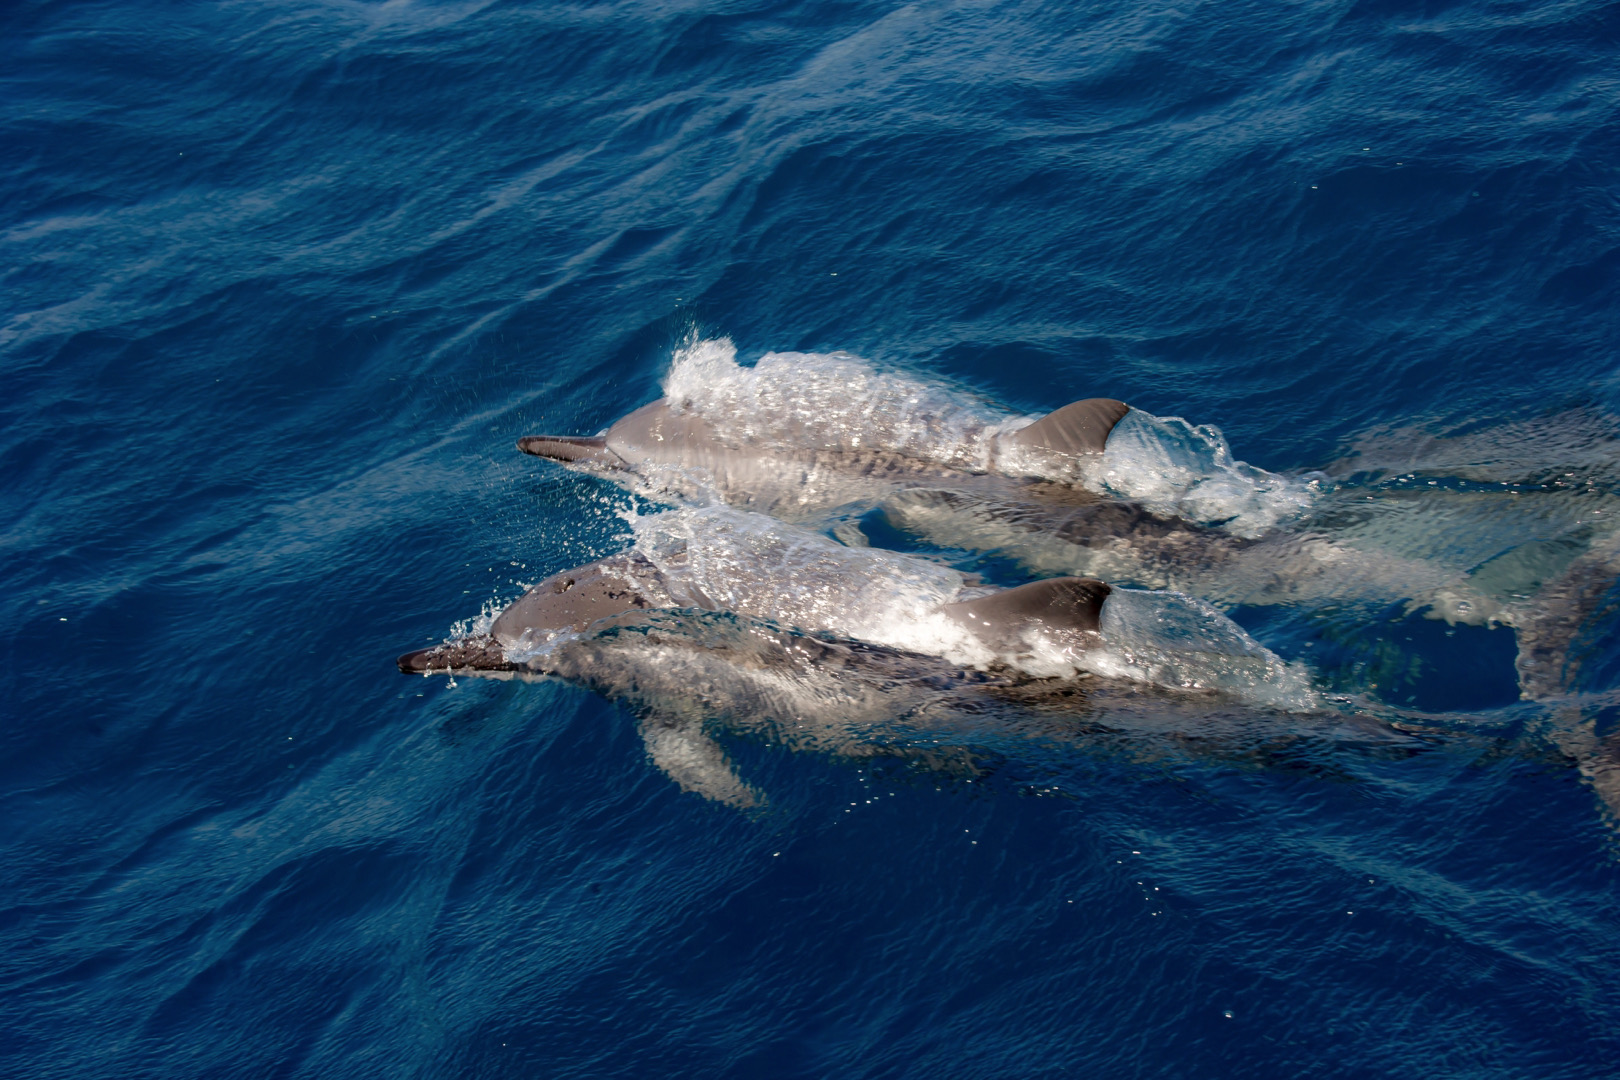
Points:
x=622, y=627
x=876, y=617
x=692, y=673
x=1002, y=623
x=799, y=434
x=682, y=452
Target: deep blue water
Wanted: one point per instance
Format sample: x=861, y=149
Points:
x=284, y=280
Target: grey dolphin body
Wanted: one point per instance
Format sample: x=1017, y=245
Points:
x=605, y=591
x=684, y=453
x=690, y=674
x=658, y=434
x=617, y=626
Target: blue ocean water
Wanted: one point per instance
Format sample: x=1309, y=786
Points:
x=284, y=280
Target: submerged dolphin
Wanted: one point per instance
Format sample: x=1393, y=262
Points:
x=693, y=677
x=1486, y=529
x=821, y=611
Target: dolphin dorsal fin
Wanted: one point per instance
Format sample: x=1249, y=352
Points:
x=592, y=448
x=1078, y=428
x=1068, y=603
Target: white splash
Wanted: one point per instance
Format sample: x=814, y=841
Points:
x=828, y=401
x=1176, y=469
x=1171, y=639
x=478, y=625
x=726, y=559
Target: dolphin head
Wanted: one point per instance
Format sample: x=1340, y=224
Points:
x=653, y=434
x=574, y=600
x=570, y=602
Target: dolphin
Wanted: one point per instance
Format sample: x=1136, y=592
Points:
x=569, y=626
x=568, y=604
x=691, y=678
x=695, y=674
x=659, y=433
x=1515, y=525
x=802, y=434
x=893, y=624
x=679, y=451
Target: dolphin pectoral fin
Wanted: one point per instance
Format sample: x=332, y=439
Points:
x=1078, y=428
x=591, y=448
x=474, y=654
x=696, y=763
x=1069, y=603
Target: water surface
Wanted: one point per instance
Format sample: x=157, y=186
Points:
x=282, y=283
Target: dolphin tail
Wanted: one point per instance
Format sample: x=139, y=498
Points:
x=590, y=448
x=1573, y=730
x=1548, y=628
x=477, y=654
x=1078, y=428
x=1071, y=603
x=1601, y=768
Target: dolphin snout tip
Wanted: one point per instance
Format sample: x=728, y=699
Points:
x=479, y=652
x=414, y=663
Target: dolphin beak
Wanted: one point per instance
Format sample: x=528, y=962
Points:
x=415, y=663
x=470, y=653
x=593, y=449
